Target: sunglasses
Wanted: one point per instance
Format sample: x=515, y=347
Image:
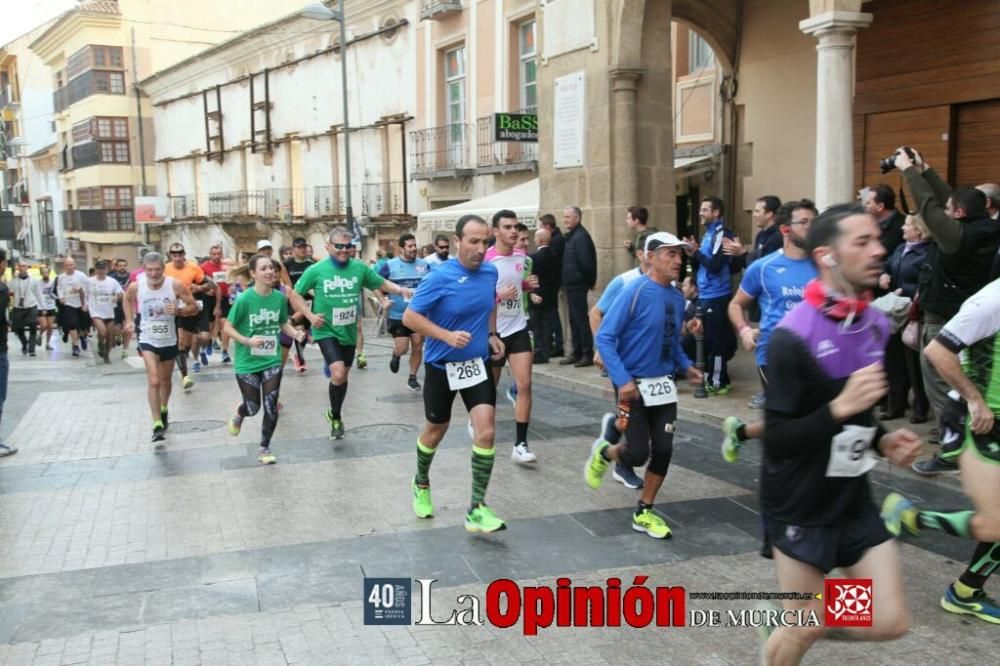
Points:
x=177, y=254
x=342, y=246
x=442, y=247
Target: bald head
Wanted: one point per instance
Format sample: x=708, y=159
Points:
x=992, y=192
x=543, y=237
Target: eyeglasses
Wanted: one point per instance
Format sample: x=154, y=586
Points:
x=342, y=246
x=804, y=223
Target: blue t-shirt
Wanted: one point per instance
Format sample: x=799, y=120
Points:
x=614, y=288
x=457, y=299
x=777, y=283
x=640, y=336
x=405, y=274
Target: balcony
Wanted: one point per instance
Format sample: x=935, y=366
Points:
x=435, y=10
x=441, y=152
x=502, y=156
x=8, y=97
x=374, y=200
x=97, y=220
x=49, y=247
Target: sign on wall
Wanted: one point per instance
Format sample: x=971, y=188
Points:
x=569, y=121
x=515, y=127
x=568, y=25
x=152, y=210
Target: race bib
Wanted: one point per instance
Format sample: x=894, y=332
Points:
x=343, y=316
x=218, y=276
x=851, y=453
x=269, y=348
x=510, y=307
x=105, y=299
x=463, y=374
x=159, y=331
x=657, y=391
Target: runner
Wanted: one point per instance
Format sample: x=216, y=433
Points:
x=336, y=284
x=622, y=473
x=190, y=327
x=254, y=322
x=408, y=271
x=157, y=297
x=777, y=282
x=120, y=274
x=456, y=309
x=103, y=294
x=360, y=346
x=512, y=325
x=965, y=353
x=5, y=449
x=213, y=302
x=26, y=296
x=296, y=266
x=824, y=377
x=640, y=342
x=46, y=308
x=71, y=292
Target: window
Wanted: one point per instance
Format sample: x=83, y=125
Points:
x=121, y=152
x=528, y=64
x=120, y=128
x=454, y=74
x=94, y=57
x=700, y=56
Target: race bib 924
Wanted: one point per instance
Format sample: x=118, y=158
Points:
x=343, y=316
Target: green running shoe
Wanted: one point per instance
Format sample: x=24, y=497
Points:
x=593, y=471
x=266, y=457
x=730, y=442
x=978, y=605
x=482, y=519
x=718, y=390
x=422, y=505
x=336, y=426
x=898, y=512
x=234, y=424
x=650, y=523
x=362, y=362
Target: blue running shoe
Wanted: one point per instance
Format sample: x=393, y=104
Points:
x=626, y=476
x=978, y=605
x=512, y=393
x=203, y=357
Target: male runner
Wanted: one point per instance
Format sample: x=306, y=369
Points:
x=26, y=296
x=777, y=282
x=103, y=295
x=640, y=342
x=622, y=473
x=824, y=377
x=189, y=327
x=456, y=308
x=46, y=308
x=157, y=297
x=212, y=301
x=121, y=275
x=296, y=265
x=512, y=325
x=965, y=352
x=71, y=292
x=408, y=271
x=336, y=284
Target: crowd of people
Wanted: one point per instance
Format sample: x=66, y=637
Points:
x=846, y=310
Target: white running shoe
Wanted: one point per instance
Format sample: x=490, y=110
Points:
x=521, y=454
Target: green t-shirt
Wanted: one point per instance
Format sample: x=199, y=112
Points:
x=253, y=314
x=337, y=295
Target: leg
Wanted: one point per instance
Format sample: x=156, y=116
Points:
x=483, y=454
x=520, y=368
x=166, y=384
x=270, y=388
x=920, y=403
x=183, y=343
x=934, y=385
x=102, y=337
x=416, y=353
x=661, y=437
x=555, y=325
x=153, y=382
x=338, y=387
x=899, y=380
x=981, y=482
x=884, y=566
x=578, y=311
x=787, y=645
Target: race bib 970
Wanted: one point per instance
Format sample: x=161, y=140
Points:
x=463, y=374
x=657, y=391
x=510, y=307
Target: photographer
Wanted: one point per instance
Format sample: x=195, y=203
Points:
x=967, y=240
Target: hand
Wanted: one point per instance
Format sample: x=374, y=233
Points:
x=695, y=375
x=532, y=282
x=129, y=328
x=904, y=162
x=85, y=308
x=299, y=335
x=170, y=308
x=507, y=292
x=406, y=293
x=598, y=361
x=628, y=245
x=695, y=327
x=748, y=338
x=901, y=446
x=257, y=341
x=535, y=298
x=386, y=304
x=628, y=392
x=496, y=344
x=692, y=245
x=733, y=246
x=316, y=320
x=884, y=281
x=980, y=417
x=863, y=389
x=459, y=339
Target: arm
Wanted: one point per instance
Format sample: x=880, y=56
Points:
x=945, y=230
x=418, y=323
x=748, y=335
x=616, y=320
x=300, y=306
x=128, y=304
x=231, y=331
x=589, y=262
x=719, y=258
x=190, y=307
x=948, y=364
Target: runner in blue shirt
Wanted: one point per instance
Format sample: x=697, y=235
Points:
x=456, y=309
x=777, y=282
x=408, y=271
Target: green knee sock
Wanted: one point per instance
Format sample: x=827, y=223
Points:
x=482, y=468
x=425, y=456
x=955, y=523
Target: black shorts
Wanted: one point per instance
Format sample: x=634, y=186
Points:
x=515, y=343
x=208, y=307
x=73, y=319
x=46, y=313
x=194, y=323
x=335, y=352
x=225, y=307
x=827, y=547
x=119, y=314
x=165, y=353
x=397, y=330
x=986, y=446
x=438, y=396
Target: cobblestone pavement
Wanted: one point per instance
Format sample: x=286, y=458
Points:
x=116, y=551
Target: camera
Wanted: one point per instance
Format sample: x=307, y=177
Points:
x=889, y=163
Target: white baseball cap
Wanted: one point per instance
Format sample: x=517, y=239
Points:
x=261, y=244
x=664, y=239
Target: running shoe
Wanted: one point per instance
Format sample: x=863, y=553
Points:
x=934, y=466
x=482, y=519
x=299, y=365
x=204, y=357
x=76, y=351
x=265, y=457
x=757, y=401
x=362, y=362
x=83, y=342
x=225, y=357
x=124, y=354
x=593, y=471
x=6, y=450
x=469, y=429
x=521, y=454
x=215, y=345
x=626, y=476
x=48, y=346
x=164, y=417
x=336, y=426
x=187, y=382
x=718, y=390
x=159, y=433
x=422, y=505
x=731, y=443
x=413, y=384
x=234, y=424
x=650, y=523
x=897, y=513
x=607, y=424
x=512, y=393
x=208, y=351
x=195, y=366
x=394, y=364
x=978, y=605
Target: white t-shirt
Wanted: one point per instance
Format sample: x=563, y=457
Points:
x=70, y=288
x=510, y=270
x=102, y=296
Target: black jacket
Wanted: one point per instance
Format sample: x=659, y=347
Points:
x=892, y=232
x=558, y=243
x=904, y=269
x=579, y=264
x=545, y=264
x=767, y=241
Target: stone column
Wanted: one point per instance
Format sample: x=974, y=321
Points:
x=834, y=102
x=625, y=176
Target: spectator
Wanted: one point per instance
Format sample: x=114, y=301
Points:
x=579, y=274
x=880, y=201
x=637, y=221
x=5, y=450
x=558, y=245
x=713, y=270
x=768, y=238
x=902, y=272
x=966, y=244
x=548, y=269
x=992, y=192
x=440, y=254
x=689, y=287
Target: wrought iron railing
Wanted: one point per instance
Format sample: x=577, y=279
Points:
x=435, y=9
x=493, y=153
x=441, y=149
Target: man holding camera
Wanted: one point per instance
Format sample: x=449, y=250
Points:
x=967, y=240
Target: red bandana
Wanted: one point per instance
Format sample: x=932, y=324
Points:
x=833, y=305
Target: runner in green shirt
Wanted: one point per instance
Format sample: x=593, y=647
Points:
x=337, y=283
x=254, y=323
